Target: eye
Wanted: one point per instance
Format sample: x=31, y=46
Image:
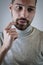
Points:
x=18, y=8
x=30, y=9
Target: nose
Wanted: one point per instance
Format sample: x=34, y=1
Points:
x=24, y=13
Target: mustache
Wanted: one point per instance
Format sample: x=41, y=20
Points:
x=24, y=19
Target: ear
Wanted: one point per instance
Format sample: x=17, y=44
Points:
x=10, y=7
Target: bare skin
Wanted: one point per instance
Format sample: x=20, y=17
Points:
x=23, y=12
x=9, y=36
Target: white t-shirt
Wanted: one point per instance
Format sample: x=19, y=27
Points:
x=26, y=50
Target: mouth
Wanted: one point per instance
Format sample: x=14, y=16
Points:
x=22, y=22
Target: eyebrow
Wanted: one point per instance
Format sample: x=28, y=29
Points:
x=23, y=5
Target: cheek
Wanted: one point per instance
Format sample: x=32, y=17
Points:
x=31, y=16
x=15, y=15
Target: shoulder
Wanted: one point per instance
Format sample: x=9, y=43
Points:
x=40, y=35
x=41, y=39
x=39, y=32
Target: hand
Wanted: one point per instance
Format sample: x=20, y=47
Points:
x=10, y=35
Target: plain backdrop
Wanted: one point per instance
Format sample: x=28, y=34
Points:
x=5, y=16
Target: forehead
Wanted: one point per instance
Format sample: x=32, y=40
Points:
x=25, y=2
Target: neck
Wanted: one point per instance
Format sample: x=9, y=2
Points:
x=25, y=32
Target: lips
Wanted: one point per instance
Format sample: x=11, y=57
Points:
x=22, y=22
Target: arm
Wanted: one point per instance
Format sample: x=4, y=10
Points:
x=6, y=46
x=9, y=36
x=3, y=51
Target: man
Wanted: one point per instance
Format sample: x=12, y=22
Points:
x=22, y=45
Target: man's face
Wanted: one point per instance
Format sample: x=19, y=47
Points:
x=23, y=12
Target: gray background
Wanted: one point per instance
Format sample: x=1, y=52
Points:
x=5, y=16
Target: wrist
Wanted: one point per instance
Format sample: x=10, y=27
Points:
x=5, y=48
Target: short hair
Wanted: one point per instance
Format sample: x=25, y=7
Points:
x=35, y=1
x=14, y=0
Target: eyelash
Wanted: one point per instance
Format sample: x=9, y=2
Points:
x=30, y=9
x=19, y=8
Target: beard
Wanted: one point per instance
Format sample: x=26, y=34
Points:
x=22, y=23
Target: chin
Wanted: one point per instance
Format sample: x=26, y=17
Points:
x=22, y=29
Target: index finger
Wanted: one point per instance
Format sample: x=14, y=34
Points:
x=10, y=25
